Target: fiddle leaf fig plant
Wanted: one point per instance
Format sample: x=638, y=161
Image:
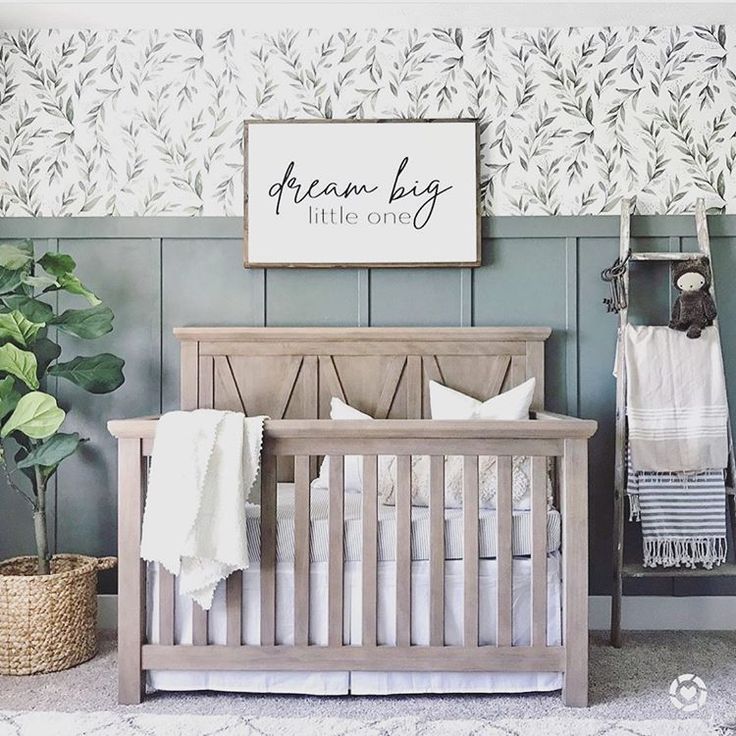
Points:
x=29, y=415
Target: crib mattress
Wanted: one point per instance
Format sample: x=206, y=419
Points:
x=521, y=529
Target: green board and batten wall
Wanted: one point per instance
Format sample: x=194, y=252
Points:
x=160, y=272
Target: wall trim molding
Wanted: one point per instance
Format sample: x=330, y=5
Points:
x=176, y=227
x=640, y=613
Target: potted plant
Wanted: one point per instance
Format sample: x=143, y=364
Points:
x=48, y=604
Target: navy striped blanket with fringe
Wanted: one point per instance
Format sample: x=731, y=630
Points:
x=683, y=516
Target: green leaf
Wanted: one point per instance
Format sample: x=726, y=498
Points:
x=40, y=282
x=86, y=323
x=13, y=256
x=50, y=453
x=37, y=416
x=73, y=285
x=19, y=363
x=57, y=264
x=8, y=396
x=10, y=280
x=98, y=374
x=14, y=326
x=46, y=352
x=32, y=309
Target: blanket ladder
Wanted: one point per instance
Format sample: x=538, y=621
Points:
x=621, y=568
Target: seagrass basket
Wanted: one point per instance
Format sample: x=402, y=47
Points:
x=48, y=622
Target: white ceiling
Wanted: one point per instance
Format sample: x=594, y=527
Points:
x=357, y=13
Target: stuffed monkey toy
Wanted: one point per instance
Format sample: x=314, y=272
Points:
x=694, y=308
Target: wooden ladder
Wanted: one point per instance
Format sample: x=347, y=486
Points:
x=621, y=569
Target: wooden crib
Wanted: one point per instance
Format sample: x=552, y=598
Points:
x=290, y=374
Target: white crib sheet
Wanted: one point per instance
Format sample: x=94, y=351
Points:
x=337, y=683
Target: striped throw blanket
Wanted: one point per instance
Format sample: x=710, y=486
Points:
x=676, y=399
x=683, y=516
x=678, y=444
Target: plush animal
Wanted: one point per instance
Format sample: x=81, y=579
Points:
x=694, y=308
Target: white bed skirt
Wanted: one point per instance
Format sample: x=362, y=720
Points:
x=366, y=683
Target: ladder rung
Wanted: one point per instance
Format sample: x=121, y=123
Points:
x=633, y=570
x=662, y=256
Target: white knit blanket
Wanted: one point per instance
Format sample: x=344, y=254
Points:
x=454, y=488
x=203, y=465
x=676, y=400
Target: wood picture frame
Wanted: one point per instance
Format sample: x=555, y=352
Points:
x=443, y=236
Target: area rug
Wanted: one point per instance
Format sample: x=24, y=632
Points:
x=43, y=723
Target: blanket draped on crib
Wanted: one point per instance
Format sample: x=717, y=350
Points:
x=677, y=445
x=203, y=465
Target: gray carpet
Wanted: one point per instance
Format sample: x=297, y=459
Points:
x=101, y=723
x=627, y=684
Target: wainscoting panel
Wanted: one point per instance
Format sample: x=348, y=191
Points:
x=305, y=297
x=430, y=297
x=203, y=282
x=525, y=283
x=161, y=272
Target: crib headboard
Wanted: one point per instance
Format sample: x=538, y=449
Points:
x=291, y=373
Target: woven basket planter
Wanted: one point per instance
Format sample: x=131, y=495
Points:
x=48, y=622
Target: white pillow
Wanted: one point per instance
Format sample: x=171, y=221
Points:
x=453, y=405
x=353, y=466
x=446, y=403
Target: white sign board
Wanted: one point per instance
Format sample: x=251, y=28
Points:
x=368, y=193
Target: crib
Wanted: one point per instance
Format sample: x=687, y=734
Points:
x=290, y=374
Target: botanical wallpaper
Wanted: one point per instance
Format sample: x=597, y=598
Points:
x=150, y=122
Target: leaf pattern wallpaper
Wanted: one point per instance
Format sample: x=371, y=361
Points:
x=150, y=122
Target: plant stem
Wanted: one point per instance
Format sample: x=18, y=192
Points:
x=15, y=486
x=39, y=524
x=39, y=527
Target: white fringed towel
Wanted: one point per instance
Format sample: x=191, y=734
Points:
x=676, y=400
x=682, y=515
x=203, y=465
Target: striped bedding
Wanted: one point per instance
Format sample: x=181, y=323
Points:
x=683, y=516
x=521, y=529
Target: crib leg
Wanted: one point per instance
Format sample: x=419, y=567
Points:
x=130, y=675
x=575, y=618
x=575, y=687
x=575, y=572
x=131, y=572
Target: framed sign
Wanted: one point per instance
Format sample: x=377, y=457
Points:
x=361, y=193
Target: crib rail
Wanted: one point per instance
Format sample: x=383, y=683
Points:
x=547, y=436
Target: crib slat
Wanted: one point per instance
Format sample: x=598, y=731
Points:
x=234, y=608
x=403, y=550
x=470, y=549
x=437, y=550
x=504, y=588
x=199, y=625
x=268, y=550
x=165, y=606
x=309, y=377
x=539, y=550
x=301, y=550
x=370, y=549
x=335, y=559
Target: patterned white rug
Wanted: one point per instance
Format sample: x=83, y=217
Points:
x=28, y=723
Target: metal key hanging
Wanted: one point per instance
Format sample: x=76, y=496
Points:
x=613, y=275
